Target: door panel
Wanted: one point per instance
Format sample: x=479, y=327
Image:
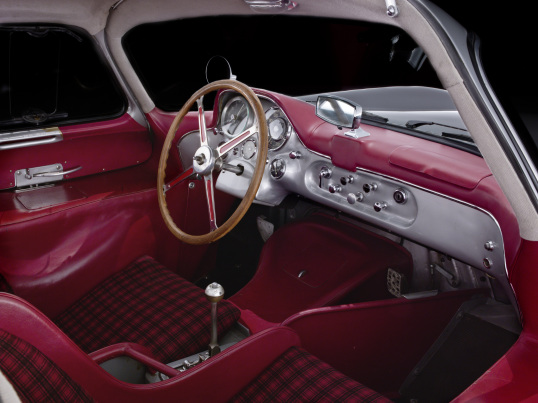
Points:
x=94, y=147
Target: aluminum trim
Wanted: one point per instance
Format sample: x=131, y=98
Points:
x=28, y=138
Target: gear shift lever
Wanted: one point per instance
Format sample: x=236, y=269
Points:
x=214, y=293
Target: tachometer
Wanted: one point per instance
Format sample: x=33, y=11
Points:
x=279, y=128
x=236, y=116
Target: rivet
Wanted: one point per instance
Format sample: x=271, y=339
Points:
x=191, y=185
x=489, y=245
x=18, y=172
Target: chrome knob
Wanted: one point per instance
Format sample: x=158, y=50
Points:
x=378, y=206
x=344, y=180
x=490, y=245
x=334, y=188
x=295, y=155
x=353, y=198
x=369, y=187
x=325, y=172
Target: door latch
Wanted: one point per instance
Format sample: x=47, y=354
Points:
x=32, y=177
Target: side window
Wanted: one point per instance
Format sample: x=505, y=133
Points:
x=53, y=76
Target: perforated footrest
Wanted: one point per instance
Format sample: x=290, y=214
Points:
x=396, y=283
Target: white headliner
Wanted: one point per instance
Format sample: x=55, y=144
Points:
x=92, y=15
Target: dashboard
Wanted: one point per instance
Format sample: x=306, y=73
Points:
x=459, y=229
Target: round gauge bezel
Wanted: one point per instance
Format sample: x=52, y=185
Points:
x=276, y=113
x=229, y=102
x=255, y=148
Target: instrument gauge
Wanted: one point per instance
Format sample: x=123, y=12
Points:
x=249, y=149
x=236, y=116
x=279, y=128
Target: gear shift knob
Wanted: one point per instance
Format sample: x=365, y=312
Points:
x=214, y=293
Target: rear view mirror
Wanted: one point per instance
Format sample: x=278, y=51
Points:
x=341, y=113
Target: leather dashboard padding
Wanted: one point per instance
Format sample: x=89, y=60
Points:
x=334, y=257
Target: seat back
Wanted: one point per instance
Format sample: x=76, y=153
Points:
x=34, y=377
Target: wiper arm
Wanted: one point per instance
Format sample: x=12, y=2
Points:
x=374, y=117
x=458, y=136
x=413, y=124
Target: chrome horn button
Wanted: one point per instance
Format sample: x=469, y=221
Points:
x=203, y=161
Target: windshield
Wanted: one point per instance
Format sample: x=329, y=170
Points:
x=376, y=66
x=287, y=54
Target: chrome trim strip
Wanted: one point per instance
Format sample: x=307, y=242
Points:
x=27, y=138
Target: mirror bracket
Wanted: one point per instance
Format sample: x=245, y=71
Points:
x=357, y=133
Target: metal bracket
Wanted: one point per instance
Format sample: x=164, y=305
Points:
x=271, y=5
x=30, y=177
x=392, y=8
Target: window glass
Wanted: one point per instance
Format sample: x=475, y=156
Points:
x=52, y=76
x=507, y=37
x=291, y=55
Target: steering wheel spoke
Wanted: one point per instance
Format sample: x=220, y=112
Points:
x=230, y=144
x=189, y=172
x=201, y=121
x=210, y=196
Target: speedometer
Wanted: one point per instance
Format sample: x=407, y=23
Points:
x=279, y=128
x=236, y=116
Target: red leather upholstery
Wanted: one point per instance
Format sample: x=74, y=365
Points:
x=34, y=377
x=356, y=257
x=299, y=376
x=228, y=373
x=149, y=305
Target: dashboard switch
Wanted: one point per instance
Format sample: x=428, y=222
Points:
x=400, y=196
x=353, y=198
x=344, y=180
x=278, y=168
x=369, y=187
x=378, y=206
x=324, y=172
x=334, y=188
x=295, y=155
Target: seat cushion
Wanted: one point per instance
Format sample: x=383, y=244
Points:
x=34, y=377
x=298, y=376
x=149, y=305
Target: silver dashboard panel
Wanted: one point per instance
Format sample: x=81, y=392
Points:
x=439, y=222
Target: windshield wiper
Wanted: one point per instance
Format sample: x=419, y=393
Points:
x=413, y=124
x=458, y=136
x=373, y=117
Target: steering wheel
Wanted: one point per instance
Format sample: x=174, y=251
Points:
x=207, y=160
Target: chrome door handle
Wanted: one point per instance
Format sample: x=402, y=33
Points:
x=59, y=173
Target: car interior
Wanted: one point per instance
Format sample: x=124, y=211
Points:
x=250, y=211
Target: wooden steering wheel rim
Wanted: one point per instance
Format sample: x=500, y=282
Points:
x=240, y=211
